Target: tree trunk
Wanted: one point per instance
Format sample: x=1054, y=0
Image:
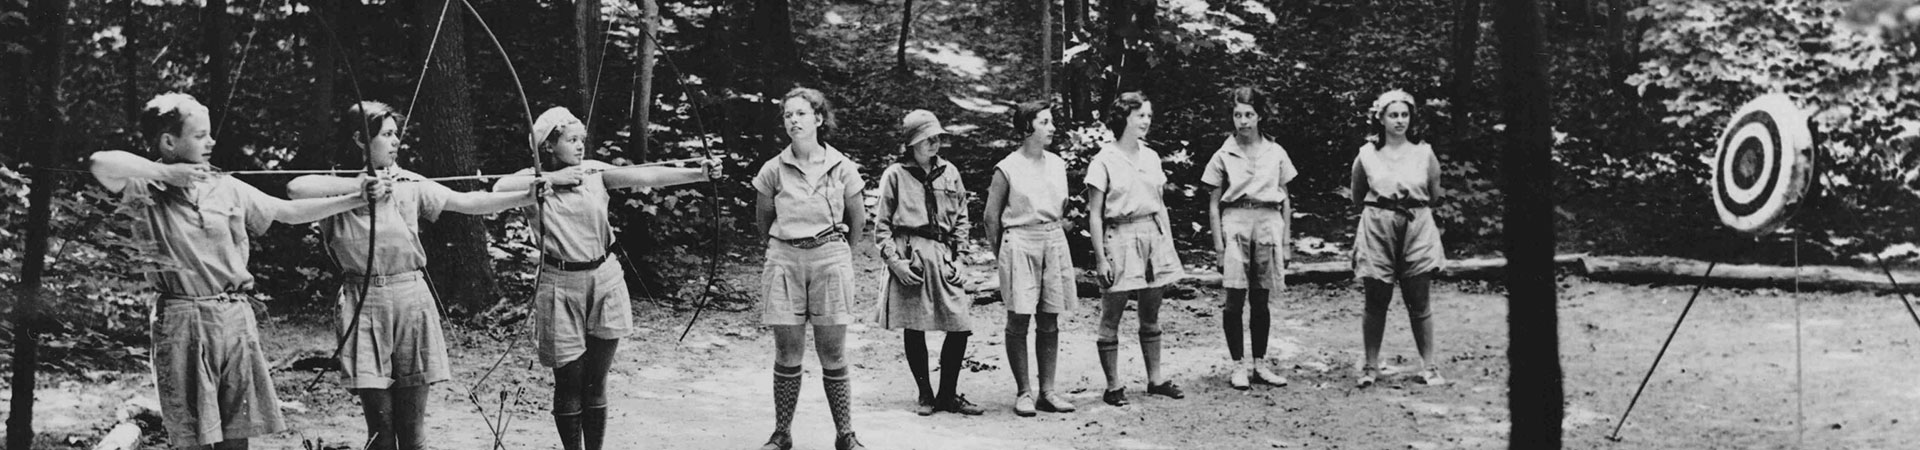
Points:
x=49, y=61
x=638, y=145
x=130, y=69
x=1534, y=394
x=14, y=71
x=217, y=41
x=1117, y=19
x=320, y=140
x=1046, y=47
x=906, y=28
x=773, y=22
x=636, y=237
x=1075, y=88
x=1466, y=43
x=586, y=38
x=457, y=243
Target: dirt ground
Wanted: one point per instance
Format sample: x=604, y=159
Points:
x=1728, y=381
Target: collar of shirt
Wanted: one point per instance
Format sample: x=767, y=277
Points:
x=940, y=166
x=1133, y=160
x=832, y=156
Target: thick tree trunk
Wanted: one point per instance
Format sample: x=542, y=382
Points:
x=1466, y=43
x=638, y=139
x=457, y=243
x=906, y=29
x=1534, y=394
x=49, y=64
x=320, y=140
x=586, y=38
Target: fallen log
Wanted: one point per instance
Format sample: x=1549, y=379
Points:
x=131, y=415
x=1660, y=269
x=1310, y=273
x=1623, y=269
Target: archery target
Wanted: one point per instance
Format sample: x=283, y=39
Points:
x=1762, y=165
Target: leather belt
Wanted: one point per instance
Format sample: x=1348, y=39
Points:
x=830, y=235
x=576, y=266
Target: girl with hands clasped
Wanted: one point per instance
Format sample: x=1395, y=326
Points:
x=922, y=220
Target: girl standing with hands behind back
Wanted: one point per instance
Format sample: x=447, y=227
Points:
x=809, y=206
x=1395, y=181
x=1132, y=241
x=1025, y=210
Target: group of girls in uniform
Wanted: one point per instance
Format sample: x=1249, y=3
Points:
x=810, y=207
x=213, y=379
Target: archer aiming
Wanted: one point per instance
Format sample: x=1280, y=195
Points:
x=581, y=307
x=214, y=387
x=388, y=316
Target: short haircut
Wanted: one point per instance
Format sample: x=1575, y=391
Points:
x=1024, y=113
x=1122, y=106
x=166, y=113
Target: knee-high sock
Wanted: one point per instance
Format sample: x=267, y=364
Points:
x=952, y=352
x=377, y=404
x=1416, y=290
x=1110, y=362
x=786, y=395
x=916, y=344
x=1150, y=353
x=593, y=390
x=1017, y=351
x=566, y=403
x=1047, y=345
x=1230, y=321
x=1374, y=324
x=1259, y=319
x=569, y=427
x=839, y=387
x=410, y=417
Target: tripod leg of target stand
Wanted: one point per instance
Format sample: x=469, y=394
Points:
x=1663, y=351
x=1898, y=290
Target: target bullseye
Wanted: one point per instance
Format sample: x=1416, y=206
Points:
x=1762, y=165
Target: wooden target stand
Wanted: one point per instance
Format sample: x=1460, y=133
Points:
x=1762, y=166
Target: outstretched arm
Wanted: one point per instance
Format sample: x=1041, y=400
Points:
x=634, y=177
x=115, y=168
x=480, y=202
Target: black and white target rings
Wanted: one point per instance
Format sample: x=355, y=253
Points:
x=1763, y=164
